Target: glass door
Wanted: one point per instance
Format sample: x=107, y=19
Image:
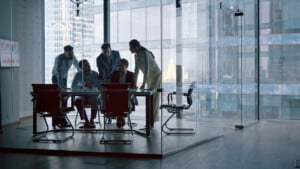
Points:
x=236, y=63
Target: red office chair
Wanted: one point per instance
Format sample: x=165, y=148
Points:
x=47, y=101
x=116, y=102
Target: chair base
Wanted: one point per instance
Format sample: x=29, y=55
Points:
x=176, y=131
x=117, y=141
x=42, y=136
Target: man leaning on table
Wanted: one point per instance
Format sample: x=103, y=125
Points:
x=62, y=65
x=87, y=79
x=107, y=62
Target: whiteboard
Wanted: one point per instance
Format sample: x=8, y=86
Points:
x=9, y=53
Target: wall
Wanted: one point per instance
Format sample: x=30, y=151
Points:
x=21, y=21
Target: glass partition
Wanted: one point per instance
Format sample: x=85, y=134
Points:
x=128, y=20
x=237, y=58
x=198, y=65
x=244, y=60
x=138, y=20
x=279, y=37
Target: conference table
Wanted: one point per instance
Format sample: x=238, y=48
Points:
x=147, y=93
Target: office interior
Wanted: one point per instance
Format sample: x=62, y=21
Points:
x=241, y=54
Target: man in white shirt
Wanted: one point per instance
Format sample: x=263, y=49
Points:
x=62, y=64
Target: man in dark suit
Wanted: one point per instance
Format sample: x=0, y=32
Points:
x=122, y=75
x=107, y=62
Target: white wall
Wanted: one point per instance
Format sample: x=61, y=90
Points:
x=25, y=26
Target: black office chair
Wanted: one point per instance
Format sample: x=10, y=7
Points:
x=47, y=101
x=116, y=102
x=174, y=109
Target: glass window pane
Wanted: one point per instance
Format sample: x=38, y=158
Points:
x=138, y=24
x=124, y=23
x=153, y=23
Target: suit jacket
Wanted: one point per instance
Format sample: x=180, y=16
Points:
x=107, y=66
x=128, y=79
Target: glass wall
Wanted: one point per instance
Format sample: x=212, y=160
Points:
x=63, y=27
x=279, y=58
x=236, y=57
x=244, y=64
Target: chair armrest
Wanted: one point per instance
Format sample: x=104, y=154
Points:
x=184, y=94
x=170, y=97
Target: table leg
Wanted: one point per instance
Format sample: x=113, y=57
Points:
x=149, y=121
x=34, y=123
x=149, y=100
x=151, y=108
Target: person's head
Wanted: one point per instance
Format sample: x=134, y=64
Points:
x=68, y=51
x=106, y=49
x=85, y=66
x=123, y=65
x=134, y=45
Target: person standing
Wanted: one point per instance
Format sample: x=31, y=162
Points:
x=145, y=61
x=107, y=62
x=62, y=65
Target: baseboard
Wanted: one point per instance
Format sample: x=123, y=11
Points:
x=15, y=122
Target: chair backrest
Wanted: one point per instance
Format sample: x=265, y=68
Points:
x=115, y=86
x=189, y=97
x=115, y=98
x=46, y=98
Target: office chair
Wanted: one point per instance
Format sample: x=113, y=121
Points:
x=116, y=102
x=175, y=109
x=47, y=101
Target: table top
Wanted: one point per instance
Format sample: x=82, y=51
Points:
x=79, y=92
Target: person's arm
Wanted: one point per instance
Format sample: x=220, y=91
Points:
x=99, y=67
x=59, y=72
x=146, y=67
x=118, y=58
x=136, y=70
x=98, y=63
x=77, y=81
x=76, y=64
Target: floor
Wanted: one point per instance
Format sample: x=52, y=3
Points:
x=265, y=145
x=18, y=137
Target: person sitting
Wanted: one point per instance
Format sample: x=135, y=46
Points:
x=122, y=75
x=87, y=79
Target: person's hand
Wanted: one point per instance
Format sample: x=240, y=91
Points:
x=88, y=85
